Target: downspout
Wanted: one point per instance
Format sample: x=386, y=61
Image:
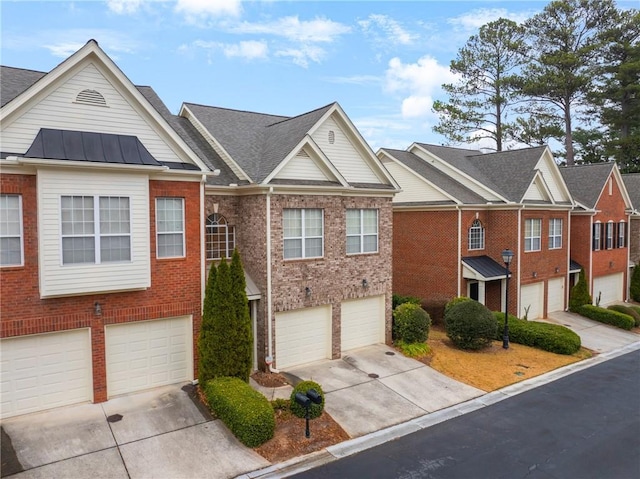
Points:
x=269, y=300
x=203, y=242
x=520, y=255
x=568, y=276
x=627, y=234
x=591, y=256
x=459, y=248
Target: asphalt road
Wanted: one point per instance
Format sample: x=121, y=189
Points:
x=586, y=425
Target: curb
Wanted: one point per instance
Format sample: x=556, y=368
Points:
x=362, y=443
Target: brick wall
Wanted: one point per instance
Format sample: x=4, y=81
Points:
x=174, y=291
x=634, y=239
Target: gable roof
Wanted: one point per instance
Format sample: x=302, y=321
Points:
x=632, y=183
x=586, y=182
x=15, y=81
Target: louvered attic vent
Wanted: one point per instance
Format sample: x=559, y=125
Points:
x=91, y=97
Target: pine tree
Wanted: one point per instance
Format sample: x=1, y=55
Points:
x=242, y=319
x=223, y=332
x=206, y=343
x=635, y=283
x=579, y=295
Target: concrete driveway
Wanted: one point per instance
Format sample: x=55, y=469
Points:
x=159, y=433
x=373, y=388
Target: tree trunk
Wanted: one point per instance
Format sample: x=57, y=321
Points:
x=568, y=136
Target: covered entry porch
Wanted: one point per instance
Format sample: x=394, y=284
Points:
x=485, y=281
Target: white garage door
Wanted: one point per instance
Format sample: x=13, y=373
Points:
x=148, y=354
x=362, y=322
x=44, y=371
x=555, y=295
x=609, y=287
x=302, y=336
x=532, y=297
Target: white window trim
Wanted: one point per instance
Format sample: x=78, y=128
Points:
x=482, y=235
x=596, y=236
x=97, y=233
x=20, y=214
x=158, y=233
x=362, y=235
x=622, y=234
x=552, y=236
x=229, y=230
x=531, y=238
x=303, y=236
x=609, y=235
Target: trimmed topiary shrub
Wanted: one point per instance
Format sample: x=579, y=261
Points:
x=470, y=325
x=411, y=323
x=607, y=316
x=620, y=308
x=634, y=287
x=579, y=294
x=635, y=308
x=397, y=300
x=454, y=301
x=245, y=411
x=316, y=409
x=548, y=337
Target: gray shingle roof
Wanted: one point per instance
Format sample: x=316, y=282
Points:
x=485, y=266
x=258, y=142
x=14, y=81
x=435, y=176
x=632, y=183
x=585, y=182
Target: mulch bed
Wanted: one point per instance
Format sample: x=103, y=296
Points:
x=269, y=380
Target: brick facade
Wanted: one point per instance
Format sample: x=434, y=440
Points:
x=634, y=239
x=175, y=283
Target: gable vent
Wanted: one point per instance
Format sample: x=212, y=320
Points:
x=91, y=97
x=332, y=137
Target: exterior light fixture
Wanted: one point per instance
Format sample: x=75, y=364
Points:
x=307, y=291
x=534, y=274
x=365, y=283
x=97, y=309
x=507, y=256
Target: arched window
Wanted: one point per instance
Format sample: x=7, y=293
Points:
x=476, y=235
x=221, y=237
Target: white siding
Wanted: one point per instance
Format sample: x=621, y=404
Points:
x=302, y=167
x=56, y=279
x=59, y=110
x=414, y=189
x=535, y=193
x=551, y=178
x=343, y=154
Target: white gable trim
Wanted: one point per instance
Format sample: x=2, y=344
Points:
x=446, y=168
x=623, y=188
x=419, y=177
x=92, y=53
x=359, y=143
x=539, y=182
x=548, y=157
x=318, y=157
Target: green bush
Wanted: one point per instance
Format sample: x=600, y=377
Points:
x=635, y=308
x=606, y=316
x=413, y=350
x=453, y=302
x=548, y=337
x=245, y=411
x=411, y=323
x=470, y=325
x=620, y=308
x=397, y=300
x=316, y=409
x=634, y=287
x=579, y=294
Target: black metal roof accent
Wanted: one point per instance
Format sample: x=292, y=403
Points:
x=574, y=266
x=87, y=146
x=173, y=165
x=485, y=266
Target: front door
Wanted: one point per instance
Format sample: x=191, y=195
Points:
x=474, y=291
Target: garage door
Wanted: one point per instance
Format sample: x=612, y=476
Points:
x=148, y=354
x=44, y=371
x=555, y=295
x=532, y=297
x=362, y=322
x=609, y=287
x=302, y=336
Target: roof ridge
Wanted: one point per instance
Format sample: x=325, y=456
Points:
x=300, y=115
x=24, y=69
x=507, y=151
x=234, y=110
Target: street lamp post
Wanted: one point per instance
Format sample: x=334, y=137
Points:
x=507, y=256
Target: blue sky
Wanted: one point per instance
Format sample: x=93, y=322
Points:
x=382, y=61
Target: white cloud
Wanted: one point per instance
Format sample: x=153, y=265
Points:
x=197, y=10
x=354, y=80
x=122, y=7
x=393, y=32
x=474, y=19
x=318, y=30
x=419, y=82
x=249, y=50
x=303, y=55
x=64, y=43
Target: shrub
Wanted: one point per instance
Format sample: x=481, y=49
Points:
x=635, y=308
x=634, y=287
x=316, y=409
x=413, y=350
x=579, y=294
x=397, y=300
x=453, y=302
x=628, y=311
x=548, y=337
x=281, y=404
x=206, y=339
x=411, y=323
x=470, y=325
x=607, y=316
x=245, y=411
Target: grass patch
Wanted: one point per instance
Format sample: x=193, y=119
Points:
x=413, y=350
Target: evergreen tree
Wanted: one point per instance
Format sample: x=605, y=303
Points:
x=479, y=102
x=242, y=320
x=206, y=341
x=579, y=294
x=635, y=283
x=223, y=319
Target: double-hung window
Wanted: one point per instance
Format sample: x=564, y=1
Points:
x=11, y=252
x=622, y=237
x=362, y=231
x=596, y=236
x=303, y=233
x=532, y=234
x=609, y=231
x=95, y=229
x=170, y=227
x=221, y=237
x=555, y=233
x=476, y=235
